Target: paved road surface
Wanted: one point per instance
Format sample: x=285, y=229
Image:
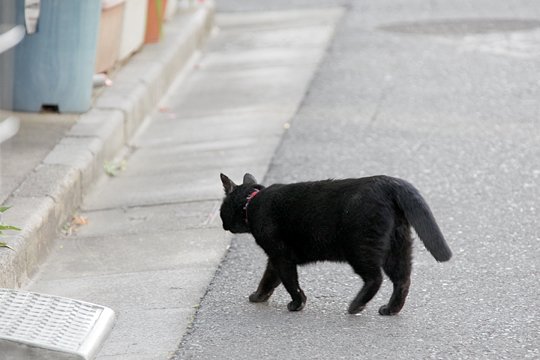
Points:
x=444, y=94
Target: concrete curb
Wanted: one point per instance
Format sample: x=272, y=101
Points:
x=52, y=193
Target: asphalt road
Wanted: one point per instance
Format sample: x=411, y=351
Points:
x=446, y=95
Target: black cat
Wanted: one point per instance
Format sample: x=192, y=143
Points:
x=365, y=222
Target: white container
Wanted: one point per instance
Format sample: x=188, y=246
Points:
x=110, y=27
x=170, y=10
x=134, y=27
x=186, y=4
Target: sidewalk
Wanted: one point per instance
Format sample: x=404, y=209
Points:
x=54, y=160
x=151, y=239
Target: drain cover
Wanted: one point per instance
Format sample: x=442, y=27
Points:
x=459, y=27
x=39, y=326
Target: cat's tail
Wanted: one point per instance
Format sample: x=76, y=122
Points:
x=419, y=215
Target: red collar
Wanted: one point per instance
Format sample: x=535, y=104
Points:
x=248, y=200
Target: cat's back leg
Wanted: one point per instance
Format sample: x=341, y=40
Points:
x=364, y=252
x=364, y=245
x=397, y=266
x=370, y=272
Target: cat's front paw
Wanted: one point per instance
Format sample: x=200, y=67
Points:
x=258, y=297
x=296, y=305
x=385, y=310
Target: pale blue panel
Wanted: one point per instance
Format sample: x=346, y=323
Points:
x=55, y=65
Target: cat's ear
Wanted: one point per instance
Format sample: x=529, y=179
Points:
x=228, y=184
x=249, y=179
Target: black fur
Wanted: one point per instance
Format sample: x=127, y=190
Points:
x=365, y=222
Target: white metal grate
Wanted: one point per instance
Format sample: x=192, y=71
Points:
x=53, y=323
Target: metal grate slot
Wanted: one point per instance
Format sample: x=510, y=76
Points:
x=40, y=326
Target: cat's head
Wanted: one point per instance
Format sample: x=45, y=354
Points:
x=232, y=210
